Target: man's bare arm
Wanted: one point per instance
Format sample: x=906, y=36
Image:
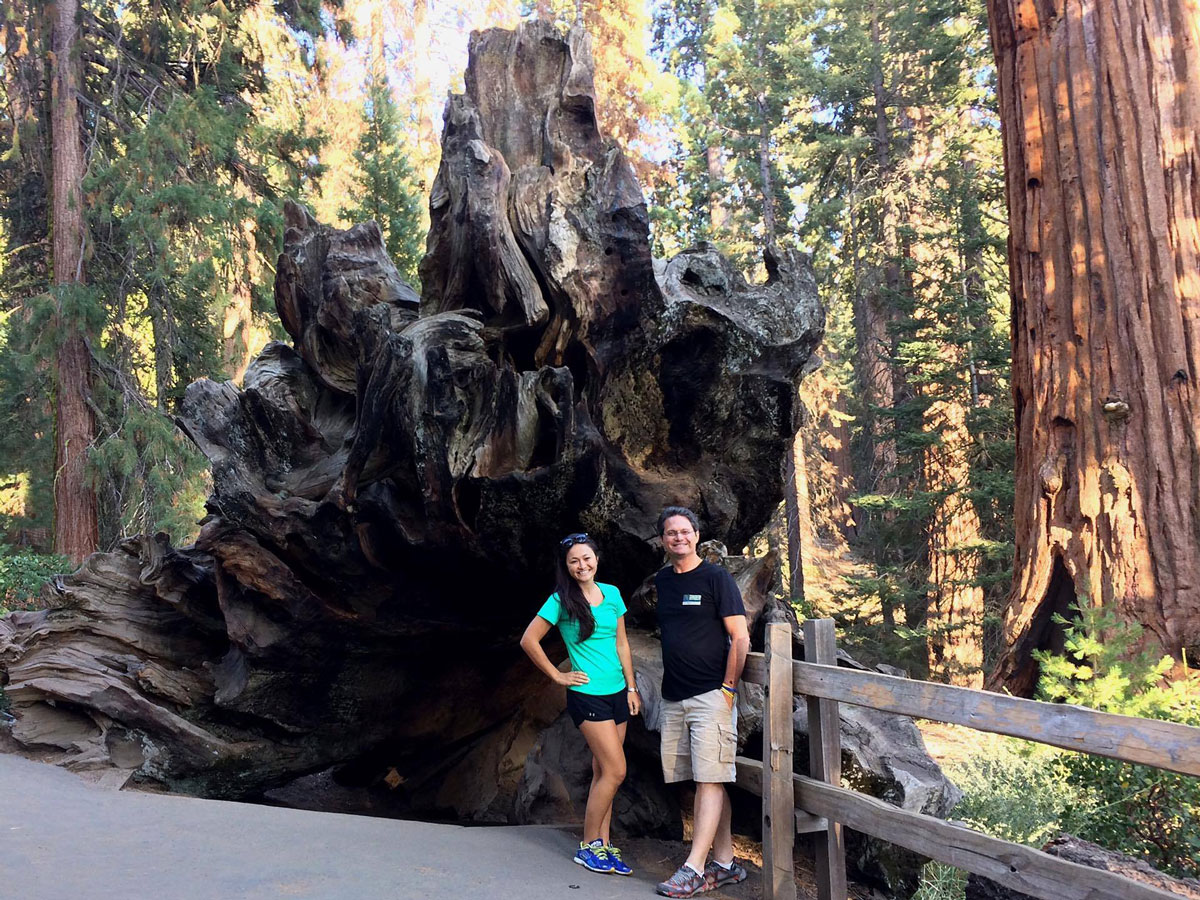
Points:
x=739, y=646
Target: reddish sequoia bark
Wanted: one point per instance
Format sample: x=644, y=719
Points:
x=1101, y=115
x=798, y=525
x=76, y=531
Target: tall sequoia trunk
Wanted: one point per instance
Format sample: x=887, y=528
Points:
x=76, y=529
x=798, y=515
x=1100, y=107
x=955, y=616
x=874, y=317
x=955, y=612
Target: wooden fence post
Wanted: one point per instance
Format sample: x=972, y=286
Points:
x=779, y=796
x=825, y=760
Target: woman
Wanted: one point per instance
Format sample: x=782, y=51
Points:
x=601, y=692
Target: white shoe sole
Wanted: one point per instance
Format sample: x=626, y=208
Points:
x=580, y=862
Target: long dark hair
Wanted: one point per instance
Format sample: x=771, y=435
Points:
x=570, y=595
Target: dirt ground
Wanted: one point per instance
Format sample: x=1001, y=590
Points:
x=659, y=859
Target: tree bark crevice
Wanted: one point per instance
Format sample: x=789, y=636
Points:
x=1101, y=190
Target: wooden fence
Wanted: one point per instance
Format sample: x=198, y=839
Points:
x=820, y=805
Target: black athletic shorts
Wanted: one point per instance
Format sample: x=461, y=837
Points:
x=597, y=708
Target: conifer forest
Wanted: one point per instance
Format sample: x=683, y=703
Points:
x=990, y=476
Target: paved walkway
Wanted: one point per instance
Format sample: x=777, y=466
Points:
x=62, y=839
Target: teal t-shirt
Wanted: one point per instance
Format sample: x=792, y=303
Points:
x=598, y=654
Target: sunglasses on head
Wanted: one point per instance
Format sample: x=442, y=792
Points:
x=571, y=539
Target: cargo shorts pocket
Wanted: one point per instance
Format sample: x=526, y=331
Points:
x=727, y=751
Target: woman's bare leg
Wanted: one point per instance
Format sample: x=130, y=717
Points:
x=608, y=771
x=605, y=833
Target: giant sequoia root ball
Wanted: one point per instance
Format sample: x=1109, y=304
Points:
x=388, y=488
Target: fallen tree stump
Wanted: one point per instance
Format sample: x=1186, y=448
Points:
x=389, y=488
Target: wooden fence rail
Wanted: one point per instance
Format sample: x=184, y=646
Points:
x=1151, y=742
x=822, y=806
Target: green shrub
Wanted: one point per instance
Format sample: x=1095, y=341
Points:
x=1027, y=793
x=941, y=882
x=1142, y=811
x=1016, y=791
x=22, y=575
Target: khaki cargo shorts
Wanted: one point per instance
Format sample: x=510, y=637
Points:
x=699, y=739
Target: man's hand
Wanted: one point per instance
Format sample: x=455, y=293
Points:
x=729, y=692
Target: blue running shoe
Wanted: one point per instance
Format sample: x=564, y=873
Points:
x=592, y=857
x=619, y=866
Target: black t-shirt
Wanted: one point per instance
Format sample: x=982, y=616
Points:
x=695, y=644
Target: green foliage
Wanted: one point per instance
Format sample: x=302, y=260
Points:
x=1016, y=791
x=1029, y=793
x=191, y=142
x=26, y=436
x=153, y=478
x=387, y=190
x=1139, y=810
x=885, y=166
x=1013, y=790
x=22, y=575
x=941, y=882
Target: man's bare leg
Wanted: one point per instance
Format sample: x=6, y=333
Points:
x=711, y=818
x=722, y=848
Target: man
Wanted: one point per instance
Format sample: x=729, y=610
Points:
x=704, y=644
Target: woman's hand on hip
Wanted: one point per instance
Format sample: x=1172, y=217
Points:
x=572, y=678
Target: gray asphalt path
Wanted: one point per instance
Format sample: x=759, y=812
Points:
x=62, y=839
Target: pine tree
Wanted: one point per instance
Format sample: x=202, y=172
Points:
x=927, y=299
x=385, y=189
x=383, y=179
x=846, y=128
x=181, y=211
x=733, y=103
x=26, y=498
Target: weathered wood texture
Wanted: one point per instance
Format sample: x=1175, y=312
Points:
x=389, y=489
x=779, y=824
x=1166, y=745
x=880, y=753
x=1101, y=122
x=1012, y=865
x=76, y=526
x=1032, y=871
x=825, y=760
x=1074, y=850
